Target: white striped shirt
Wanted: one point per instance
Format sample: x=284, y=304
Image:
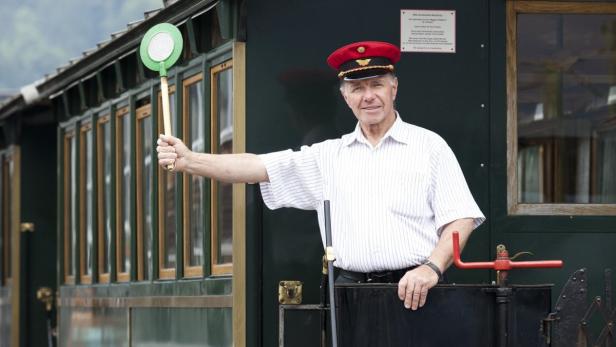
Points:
x=388, y=202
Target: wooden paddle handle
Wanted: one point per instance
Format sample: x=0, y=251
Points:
x=164, y=88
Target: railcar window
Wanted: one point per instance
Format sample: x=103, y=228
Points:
x=167, y=216
x=194, y=186
x=222, y=142
x=123, y=195
x=70, y=206
x=145, y=192
x=104, y=194
x=562, y=119
x=86, y=206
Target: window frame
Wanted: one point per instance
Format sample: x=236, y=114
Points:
x=190, y=271
x=141, y=113
x=119, y=215
x=69, y=133
x=514, y=207
x=163, y=272
x=597, y=134
x=103, y=277
x=218, y=268
x=83, y=220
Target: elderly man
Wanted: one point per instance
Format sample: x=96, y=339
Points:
x=397, y=191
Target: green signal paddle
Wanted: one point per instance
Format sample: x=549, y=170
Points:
x=160, y=49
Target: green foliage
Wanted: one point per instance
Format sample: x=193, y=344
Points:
x=41, y=35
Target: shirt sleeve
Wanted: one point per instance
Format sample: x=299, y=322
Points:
x=295, y=179
x=451, y=197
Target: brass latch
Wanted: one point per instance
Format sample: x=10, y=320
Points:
x=25, y=227
x=290, y=292
x=45, y=295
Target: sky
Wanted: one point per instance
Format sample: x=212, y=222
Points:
x=40, y=35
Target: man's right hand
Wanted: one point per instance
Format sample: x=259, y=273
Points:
x=172, y=150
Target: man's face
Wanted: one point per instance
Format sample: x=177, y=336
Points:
x=372, y=99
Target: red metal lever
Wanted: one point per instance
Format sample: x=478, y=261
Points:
x=502, y=263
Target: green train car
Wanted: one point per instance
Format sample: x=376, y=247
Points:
x=524, y=92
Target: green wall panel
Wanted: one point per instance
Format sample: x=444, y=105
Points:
x=93, y=327
x=573, y=248
x=181, y=327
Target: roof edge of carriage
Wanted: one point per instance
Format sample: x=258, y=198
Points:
x=120, y=44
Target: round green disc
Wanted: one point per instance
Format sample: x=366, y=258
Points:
x=161, y=47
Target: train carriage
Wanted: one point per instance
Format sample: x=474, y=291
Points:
x=102, y=247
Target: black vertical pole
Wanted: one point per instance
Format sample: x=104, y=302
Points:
x=608, y=301
x=502, y=298
x=329, y=252
x=323, y=300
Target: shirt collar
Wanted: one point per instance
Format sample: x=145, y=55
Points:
x=397, y=132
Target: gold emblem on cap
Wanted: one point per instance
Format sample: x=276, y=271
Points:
x=363, y=62
x=361, y=49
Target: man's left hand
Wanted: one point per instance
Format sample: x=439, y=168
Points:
x=414, y=285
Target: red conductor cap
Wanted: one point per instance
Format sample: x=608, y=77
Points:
x=364, y=59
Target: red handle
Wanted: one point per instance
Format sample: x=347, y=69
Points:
x=499, y=264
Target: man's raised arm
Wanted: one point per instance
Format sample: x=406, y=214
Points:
x=233, y=168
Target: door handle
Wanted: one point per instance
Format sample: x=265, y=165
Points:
x=45, y=295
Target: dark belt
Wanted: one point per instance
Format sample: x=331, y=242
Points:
x=392, y=276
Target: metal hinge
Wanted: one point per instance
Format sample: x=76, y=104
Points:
x=546, y=327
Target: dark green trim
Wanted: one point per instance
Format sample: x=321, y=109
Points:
x=190, y=71
x=82, y=96
x=224, y=10
x=140, y=71
x=187, y=287
x=192, y=42
x=207, y=232
x=179, y=182
x=78, y=203
x=60, y=204
x=100, y=94
x=94, y=149
x=133, y=186
x=254, y=264
x=67, y=110
x=160, y=301
x=119, y=85
x=152, y=201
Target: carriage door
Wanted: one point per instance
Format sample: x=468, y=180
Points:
x=27, y=237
